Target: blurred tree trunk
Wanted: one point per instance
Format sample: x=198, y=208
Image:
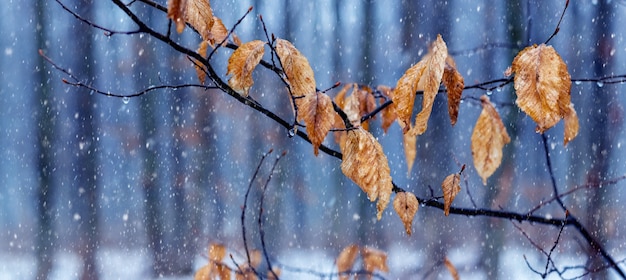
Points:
x=154, y=208
x=85, y=162
x=45, y=236
x=602, y=130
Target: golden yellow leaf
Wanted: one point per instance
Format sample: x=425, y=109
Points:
x=345, y=260
x=571, y=125
x=297, y=69
x=426, y=75
x=318, y=114
x=176, y=12
x=367, y=103
x=222, y=272
x=453, y=272
x=542, y=84
x=450, y=187
x=488, y=138
x=241, y=64
x=406, y=204
x=204, y=273
x=409, y=141
x=365, y=163
x=453, y=81
x=389, y=113
x=218, y=32
x=199, y=15
x=374, y=260
x=202, y=48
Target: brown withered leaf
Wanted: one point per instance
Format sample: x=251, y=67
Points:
x=218, y=32
x=430, y=81
x=318, y=114
x=202, y=48
x=409, y=141
x=388, y=114
x=297, y=69
x=542, y=84
x=241, y=64
x=352, y=107
x=453, y=81
x=453, y=272
x=403, y=95
x=346, y=259
x=367, y=103
x=204, y=273
x=488, y=138
x=406, y=205
x=217, y=252
x=571, y=125
x=339, y=124
x=425, y=75
x=365, y=163
x=176, y=12
x=450, y=187
x=374, y=260
x=199, y=15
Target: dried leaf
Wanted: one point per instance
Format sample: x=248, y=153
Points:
x=426, y=75
x=346, y=259
x=297, y=69
x=389, y=113
x=318, y=114
x=450, y=187
x=270, y=275
x=241, y=64
x=352, y=107
x=200, y=16
x=571, y=125
x=218, y=32
x=453, y=81
x=430, y=81
x=406, y=204
x=367, y=103
x=176, y=12
x=451, y=268
x=374, y=260
x=204, y=273
x=217, y=252
x=488, y=138
x=542, y=84
x=409, y=141
x=202, y=48
x=365, y=163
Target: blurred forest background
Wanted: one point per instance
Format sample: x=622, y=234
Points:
x=151, y=180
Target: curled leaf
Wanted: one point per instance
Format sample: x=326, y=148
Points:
x=542, y=84
x=406, y=204
x=218, y=32
x=365, y=163
x=488, y=138
x=176, y=12
x=454, y=83
x=318, y=115
x=571, y=125
x=297, y=69
x=426, y=75
x=241, y=64
x=450, y=187
x=346, y=259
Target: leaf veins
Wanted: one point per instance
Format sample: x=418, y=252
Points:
x=542, y=84
x=406, y=205
x=318, y=115
x=241, y=64
x=365, y=163
x=488, y=138
x=297, y=69
x=426, y=75
x=450, y=187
